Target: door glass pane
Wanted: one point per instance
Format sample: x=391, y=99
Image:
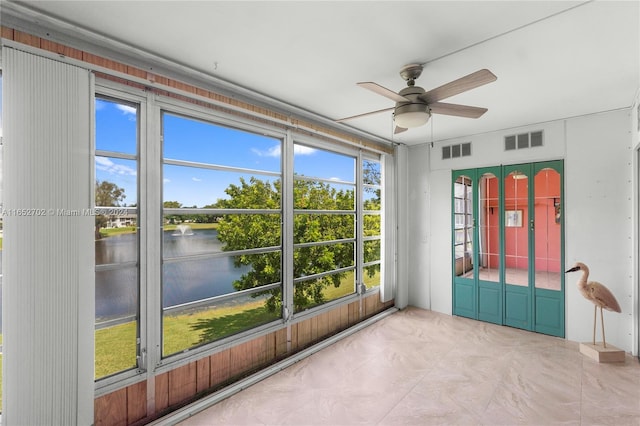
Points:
x=489, y=222
x=547, y=229
x=463, y=222
x=516, y=239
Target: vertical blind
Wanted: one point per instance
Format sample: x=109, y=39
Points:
x=47, y=246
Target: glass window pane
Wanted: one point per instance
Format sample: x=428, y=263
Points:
x=371, y=250
x=236, y=170
x=323, y=227
x=198, y=187
x=116, y=182
x=372, y=174
x=324, y=165
x=116, y=126
x=116, y=238
x=185, y=235
x=316, y=195
x=314, y=292
x=516, y=232
x=489, y=228
x=186, y=329
x=372, y=179
x=189, y=139
x=371, y=225
x=322, y=258
x=187, y=281
x=547, y=230
x=116, y=320
x=372, y=276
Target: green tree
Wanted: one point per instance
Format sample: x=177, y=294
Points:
x=371, y=223
x=246, y=231
x=107, y=194
x=172, y=218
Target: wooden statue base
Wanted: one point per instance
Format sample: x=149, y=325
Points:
x=599, y=353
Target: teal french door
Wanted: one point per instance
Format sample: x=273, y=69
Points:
x=508, y=246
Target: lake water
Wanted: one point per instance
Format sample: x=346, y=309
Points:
x=183, y=281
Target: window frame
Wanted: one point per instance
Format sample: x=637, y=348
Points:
x=151, y=361
x=111, y=93
x=178, y=111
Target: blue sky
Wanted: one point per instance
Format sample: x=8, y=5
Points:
x=191, y=140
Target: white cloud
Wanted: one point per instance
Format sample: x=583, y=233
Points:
x=126, y=109
x=195, y=179
x=303, y=150
x=165, y=180
x=106, y=165
x=275, y=151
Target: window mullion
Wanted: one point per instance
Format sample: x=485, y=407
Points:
x=359, y=225
x=287, y=227
x=151, y=304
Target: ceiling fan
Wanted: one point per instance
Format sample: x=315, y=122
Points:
x=414, y=106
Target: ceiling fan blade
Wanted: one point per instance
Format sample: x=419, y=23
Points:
x=471, y=81
x=399, y=129
x=375, y=87
x=363, y=115
x=457, y=110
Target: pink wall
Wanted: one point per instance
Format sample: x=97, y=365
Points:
x=547, y=231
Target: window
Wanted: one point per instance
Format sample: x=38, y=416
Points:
x=324, y=253
x=372, y=221
x=116, y=236
x=221, y=232
x=463, y=225
x=206, y=232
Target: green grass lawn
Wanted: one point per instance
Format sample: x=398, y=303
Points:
x=116, y=350
x=116, y=347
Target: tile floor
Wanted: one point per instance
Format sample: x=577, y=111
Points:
x=420, y=367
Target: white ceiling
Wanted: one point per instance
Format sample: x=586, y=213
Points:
x=553, y=59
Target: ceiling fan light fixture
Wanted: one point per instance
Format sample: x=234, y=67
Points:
x=411, y=115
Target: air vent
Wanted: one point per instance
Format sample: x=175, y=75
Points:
x=457, y=150
x=523, y=141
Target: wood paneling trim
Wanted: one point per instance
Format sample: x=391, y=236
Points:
x=203, y=374
x=111, y=409
x=7, y=33
x=298, y=124
x=220, y=368
x=182, y=383
x=136, y=402
x=354, y=313
x=281, y=343
x=162, y=392
x=25, y=38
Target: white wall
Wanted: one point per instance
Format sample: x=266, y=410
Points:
x=598, y=187
x=419, y=235
x=598, y=220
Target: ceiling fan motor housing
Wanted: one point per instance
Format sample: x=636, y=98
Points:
x=413, y=113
